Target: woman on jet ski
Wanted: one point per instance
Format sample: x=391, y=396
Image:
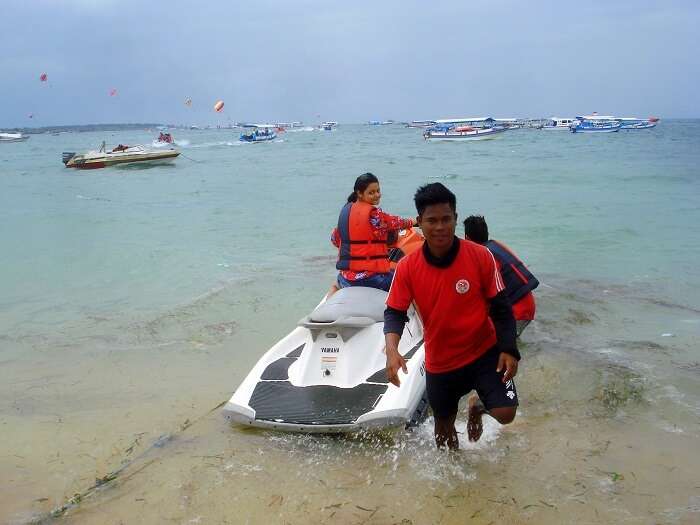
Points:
x=362, y=237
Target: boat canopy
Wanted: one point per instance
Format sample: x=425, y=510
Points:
x=596, y=117
x=464, y=120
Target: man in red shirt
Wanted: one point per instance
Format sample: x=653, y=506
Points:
x=518, y=279
x=468, y=322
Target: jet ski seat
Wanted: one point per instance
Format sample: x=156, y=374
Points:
x=354, y=306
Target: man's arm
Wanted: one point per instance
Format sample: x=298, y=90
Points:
x=394, y=321
x=501, y=314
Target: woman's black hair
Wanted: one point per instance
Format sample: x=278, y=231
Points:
x=361, y=184
x=434, y=193
x=476, y=229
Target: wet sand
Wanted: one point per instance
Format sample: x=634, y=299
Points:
x=599, y=438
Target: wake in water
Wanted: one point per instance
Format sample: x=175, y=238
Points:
x=217, y=144
x=165, y=145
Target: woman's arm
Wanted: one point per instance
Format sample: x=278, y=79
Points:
x=382, y=223
x=335, y=238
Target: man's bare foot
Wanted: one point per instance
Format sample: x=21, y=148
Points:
x=445, y=433
x=474, y=424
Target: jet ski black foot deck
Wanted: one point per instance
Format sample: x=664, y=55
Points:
x=328, y=375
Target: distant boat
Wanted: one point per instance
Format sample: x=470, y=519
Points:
x=420, y=123
x=13, y=137
x=558, y=124
x=510, y=123
x=463, y=129
x=462, y=133
x=595, y=124
x=120, y=155
x=632, y=123
x=328, y=125
x=163, y=140
x=259, y=133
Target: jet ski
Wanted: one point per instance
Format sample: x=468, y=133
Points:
x=328, y=375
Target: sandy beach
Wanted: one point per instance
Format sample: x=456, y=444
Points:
x=596, y=441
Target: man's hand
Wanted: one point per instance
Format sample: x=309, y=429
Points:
x=508, y=363
x=394, y=361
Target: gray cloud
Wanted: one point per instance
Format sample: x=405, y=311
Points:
x=348, y=61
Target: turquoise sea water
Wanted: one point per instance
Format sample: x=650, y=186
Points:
x=152, y=291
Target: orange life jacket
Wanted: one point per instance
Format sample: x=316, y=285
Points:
x=360, y=250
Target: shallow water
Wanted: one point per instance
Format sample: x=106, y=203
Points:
x=135, y=300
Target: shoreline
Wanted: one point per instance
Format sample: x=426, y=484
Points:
x=584, y=406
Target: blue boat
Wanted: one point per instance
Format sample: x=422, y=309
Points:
x=631, y=123
x=464, y=129
x=259, y=134
x=595, y=124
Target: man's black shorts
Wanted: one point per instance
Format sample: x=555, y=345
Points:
x=446, y=389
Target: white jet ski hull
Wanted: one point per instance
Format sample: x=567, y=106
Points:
x=328, y=375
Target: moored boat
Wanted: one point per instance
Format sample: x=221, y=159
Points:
x=558, y=124
x=421, y=124
x=633, y=123
x=595, y=124
x=120, y=155
x=13, y=137
x=456, y=130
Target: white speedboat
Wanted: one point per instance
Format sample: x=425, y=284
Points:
x=120, y=155
x=328, y=374
x=13, y=137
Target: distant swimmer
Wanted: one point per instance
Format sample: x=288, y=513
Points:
x=469, y=327
x=518, y=279
x=362, y=237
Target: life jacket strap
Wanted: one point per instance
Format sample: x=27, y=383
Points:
x=374, y=241
x=356, y=258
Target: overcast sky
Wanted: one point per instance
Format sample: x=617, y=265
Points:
x=350, y=61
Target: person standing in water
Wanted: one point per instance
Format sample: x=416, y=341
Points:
x=362, y=237
x=518, y=279
x=468, y=323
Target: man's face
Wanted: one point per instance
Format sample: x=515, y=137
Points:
x=438, y=223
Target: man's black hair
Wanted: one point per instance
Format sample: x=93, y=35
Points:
x=434, y=193
x=476, y=229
